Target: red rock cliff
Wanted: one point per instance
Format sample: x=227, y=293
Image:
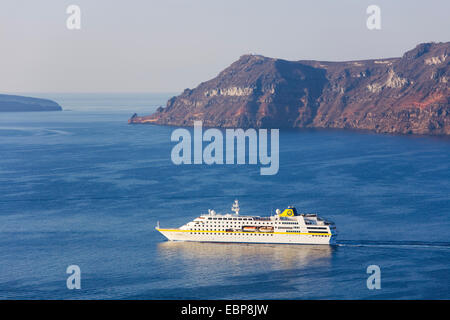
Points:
x=396, y=95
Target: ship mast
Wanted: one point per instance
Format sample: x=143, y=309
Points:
x=235, y=207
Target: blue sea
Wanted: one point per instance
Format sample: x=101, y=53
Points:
x=82, y=187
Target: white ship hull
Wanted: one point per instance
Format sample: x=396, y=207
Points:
x=285, y=227
x=247, y=237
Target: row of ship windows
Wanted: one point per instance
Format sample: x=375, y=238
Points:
x=223, y=225
x=246, y=219
x=296, y=231
x=245, y=234
x=259, y=223
x=237, y=234
x=226, y=222
x=229, y=219
x=317, y=235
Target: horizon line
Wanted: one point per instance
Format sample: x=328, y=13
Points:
x=88, y=92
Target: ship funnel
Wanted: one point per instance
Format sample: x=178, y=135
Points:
x=289, y=212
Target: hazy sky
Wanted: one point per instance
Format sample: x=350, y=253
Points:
x=169, y=45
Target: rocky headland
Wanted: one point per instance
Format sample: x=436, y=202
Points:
x=13, y=103
x=409, y=94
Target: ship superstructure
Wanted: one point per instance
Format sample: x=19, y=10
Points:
x=283, y=227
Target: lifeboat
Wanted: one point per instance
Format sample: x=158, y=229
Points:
x=249, y=228
x=266, y=229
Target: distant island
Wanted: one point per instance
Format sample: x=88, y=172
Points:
x=13, y=103
x=409, y=94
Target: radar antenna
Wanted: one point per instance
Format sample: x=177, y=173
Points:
x=235, y=207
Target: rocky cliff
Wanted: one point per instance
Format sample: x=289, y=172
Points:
x=396, y=95
x=11, y=103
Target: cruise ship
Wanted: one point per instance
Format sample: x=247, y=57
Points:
x=287, y=227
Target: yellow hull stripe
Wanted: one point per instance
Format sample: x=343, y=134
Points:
x=215, y=231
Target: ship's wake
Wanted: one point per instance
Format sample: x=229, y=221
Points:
x=394, y=244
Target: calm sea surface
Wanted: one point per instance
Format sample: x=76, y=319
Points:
x=83, y=187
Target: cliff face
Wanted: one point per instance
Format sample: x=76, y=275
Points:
x=396, y=95
x=12, y=103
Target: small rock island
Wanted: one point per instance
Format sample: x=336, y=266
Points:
x=13, y=103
